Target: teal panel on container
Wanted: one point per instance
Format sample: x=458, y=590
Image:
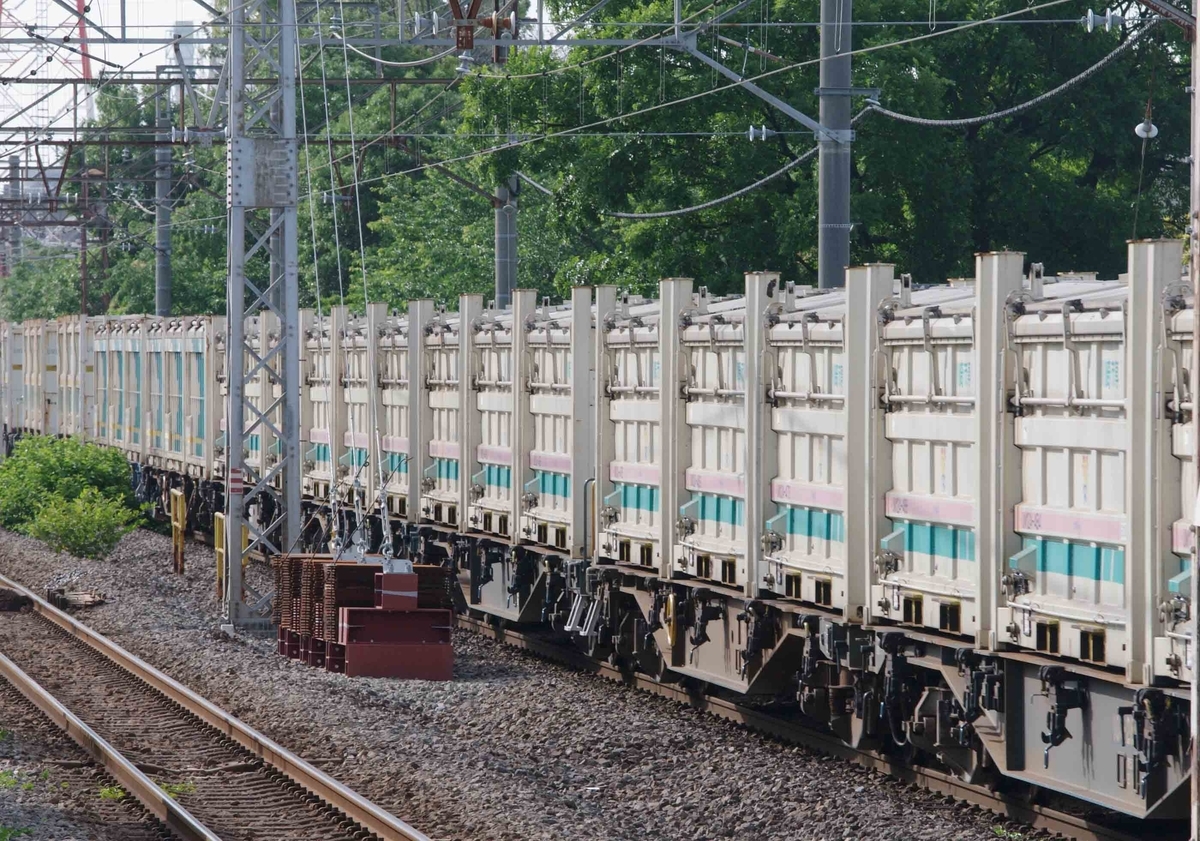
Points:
x=397, y=463
x=1079, y=560
x=255, y=443
x=120, y=431
x=554, y=484
x=358, y=456
x=813, y=522
x=178, y=443
x=720, y=509
x=321, y=452
x=496, y=476
x=940, y=541
x=162, y=398
x=447, y=468
x=640, y=497
x=199, y=445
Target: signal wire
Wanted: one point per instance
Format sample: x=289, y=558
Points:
x=966, y=122
x=482, y=153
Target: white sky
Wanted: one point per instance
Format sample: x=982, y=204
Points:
x=143, y=19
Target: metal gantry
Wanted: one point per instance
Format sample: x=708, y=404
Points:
x=263, y=376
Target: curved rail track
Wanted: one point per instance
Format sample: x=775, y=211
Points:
x=203, y=773
x=1053, y=821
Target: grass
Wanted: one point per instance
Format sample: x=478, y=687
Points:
x=4, y=734
x=174, y=790
x=8, y=779
x=1007, y=834
x=9, y=832
x=112, y=793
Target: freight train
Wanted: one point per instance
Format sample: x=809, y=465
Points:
x=951, y=521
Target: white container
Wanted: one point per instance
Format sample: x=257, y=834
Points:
x=1096, y=544
x=494, y=379
x=120, y=388
x=359, y=462
x=453, y=430
x=927, y=567
x=396, y=400
x=639, y=429
x=554, y=440
x=324, y=415
x=75, y=376
x=203, y=410
x=1173, y=657
x=40, y=340
x=805, y=553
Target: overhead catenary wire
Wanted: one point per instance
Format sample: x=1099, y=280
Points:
x=92, y=93
x=538, y=138
x=966, y=122
x=1123, y=47
x=337, y=239
x=421, y=62
x=360, y=524
x=131, y=237
x=566, y=68
x=682, y=211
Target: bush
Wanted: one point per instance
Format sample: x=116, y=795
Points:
x=88, y=526
x=43, y=468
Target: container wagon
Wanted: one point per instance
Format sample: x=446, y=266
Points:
x=949, y=520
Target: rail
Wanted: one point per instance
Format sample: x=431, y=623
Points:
x=350, y=803
x=157, y=802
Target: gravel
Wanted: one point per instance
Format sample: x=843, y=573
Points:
x=514, y=748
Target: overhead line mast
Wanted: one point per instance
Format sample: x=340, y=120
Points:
x=262, y=194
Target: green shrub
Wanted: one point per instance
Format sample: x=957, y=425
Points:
x=43, y=468
x=88, y=526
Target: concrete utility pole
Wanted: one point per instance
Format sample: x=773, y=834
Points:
x=506, y=241
x=162, y=203
x=832, y=129
x=833, y=190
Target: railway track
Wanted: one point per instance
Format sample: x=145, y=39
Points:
x=203, y=773
x=1053, y=821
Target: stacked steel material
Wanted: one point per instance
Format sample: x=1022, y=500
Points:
x=434, y=587
x=346, y=585
x=286, y=610
x=312, y=588
x=282, y=604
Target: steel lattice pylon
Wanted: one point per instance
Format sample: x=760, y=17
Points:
x=262, y=434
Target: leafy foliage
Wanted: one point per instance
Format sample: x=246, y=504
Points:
x=113, y=793
x=42, y=468
x=1063, y=181
x=177, y=790
x=89, y=526
x=74, y=496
